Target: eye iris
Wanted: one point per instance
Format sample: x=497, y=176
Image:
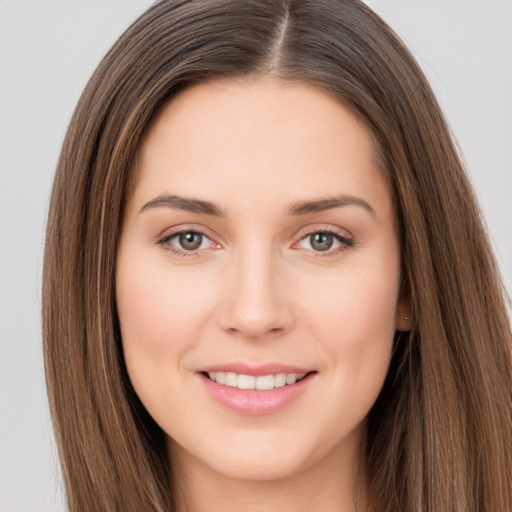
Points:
x=321, y=241
x=190, y=241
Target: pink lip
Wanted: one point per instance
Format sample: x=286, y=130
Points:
x=255, y=402
x=255, y=370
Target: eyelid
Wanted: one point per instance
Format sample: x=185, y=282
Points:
x=185, y=228
x=323, y=228
x=343, y=236
x=165, y=236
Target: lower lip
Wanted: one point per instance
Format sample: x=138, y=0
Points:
x=254, y=402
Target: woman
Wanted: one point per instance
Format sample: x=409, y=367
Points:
x=266, y=279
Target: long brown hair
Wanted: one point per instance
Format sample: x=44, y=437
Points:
x=440, y=434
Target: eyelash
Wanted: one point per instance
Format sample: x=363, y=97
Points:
x=346, y=242
x=165, y=241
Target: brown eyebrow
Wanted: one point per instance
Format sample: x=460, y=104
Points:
x=184, y=203
x=299, y=208
x=320, y=205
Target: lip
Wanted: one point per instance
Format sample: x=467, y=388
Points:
x=256, y=402
x=254, y=370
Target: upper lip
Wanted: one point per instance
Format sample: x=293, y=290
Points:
x=255, y=370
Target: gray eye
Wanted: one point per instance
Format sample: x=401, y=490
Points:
x=190, y=241
x=321, y=241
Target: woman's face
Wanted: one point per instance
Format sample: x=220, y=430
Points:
x=259, y=250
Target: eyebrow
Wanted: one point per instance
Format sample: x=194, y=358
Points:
x=184, y=203
x=296, y=209
x=328, y=203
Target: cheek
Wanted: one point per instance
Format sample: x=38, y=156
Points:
x=352, y=320
x=161, y=313
x=353, y=302
x=160, y=317
x=156, y=305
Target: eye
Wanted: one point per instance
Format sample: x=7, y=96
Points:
x=321, y=241
x=186, y=241
x=325, y=241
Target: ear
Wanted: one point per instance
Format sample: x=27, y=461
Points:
x=403, y=315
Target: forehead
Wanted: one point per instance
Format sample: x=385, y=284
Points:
x=254, y=136
x=253, y=107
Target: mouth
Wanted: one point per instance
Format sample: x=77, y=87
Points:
x=251, y=382
x=256, y=390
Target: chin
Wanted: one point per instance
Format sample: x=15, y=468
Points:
x=247, y=458
x=258, y=468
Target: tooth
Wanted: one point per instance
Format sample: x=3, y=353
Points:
x=265, y=382
x=231, y=379
x=280, y=380
x=291, y=378
x=246, y=381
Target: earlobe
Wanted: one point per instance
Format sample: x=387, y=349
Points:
x=404, y=320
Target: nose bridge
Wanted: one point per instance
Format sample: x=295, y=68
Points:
x=256, y=305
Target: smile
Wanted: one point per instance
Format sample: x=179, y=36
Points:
x=256, y=391
x=261, y=383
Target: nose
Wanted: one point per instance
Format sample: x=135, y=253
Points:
x=256, y=301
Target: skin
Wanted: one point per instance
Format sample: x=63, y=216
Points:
x=258, y=290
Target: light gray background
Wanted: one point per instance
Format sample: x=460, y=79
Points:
x=48, y=49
